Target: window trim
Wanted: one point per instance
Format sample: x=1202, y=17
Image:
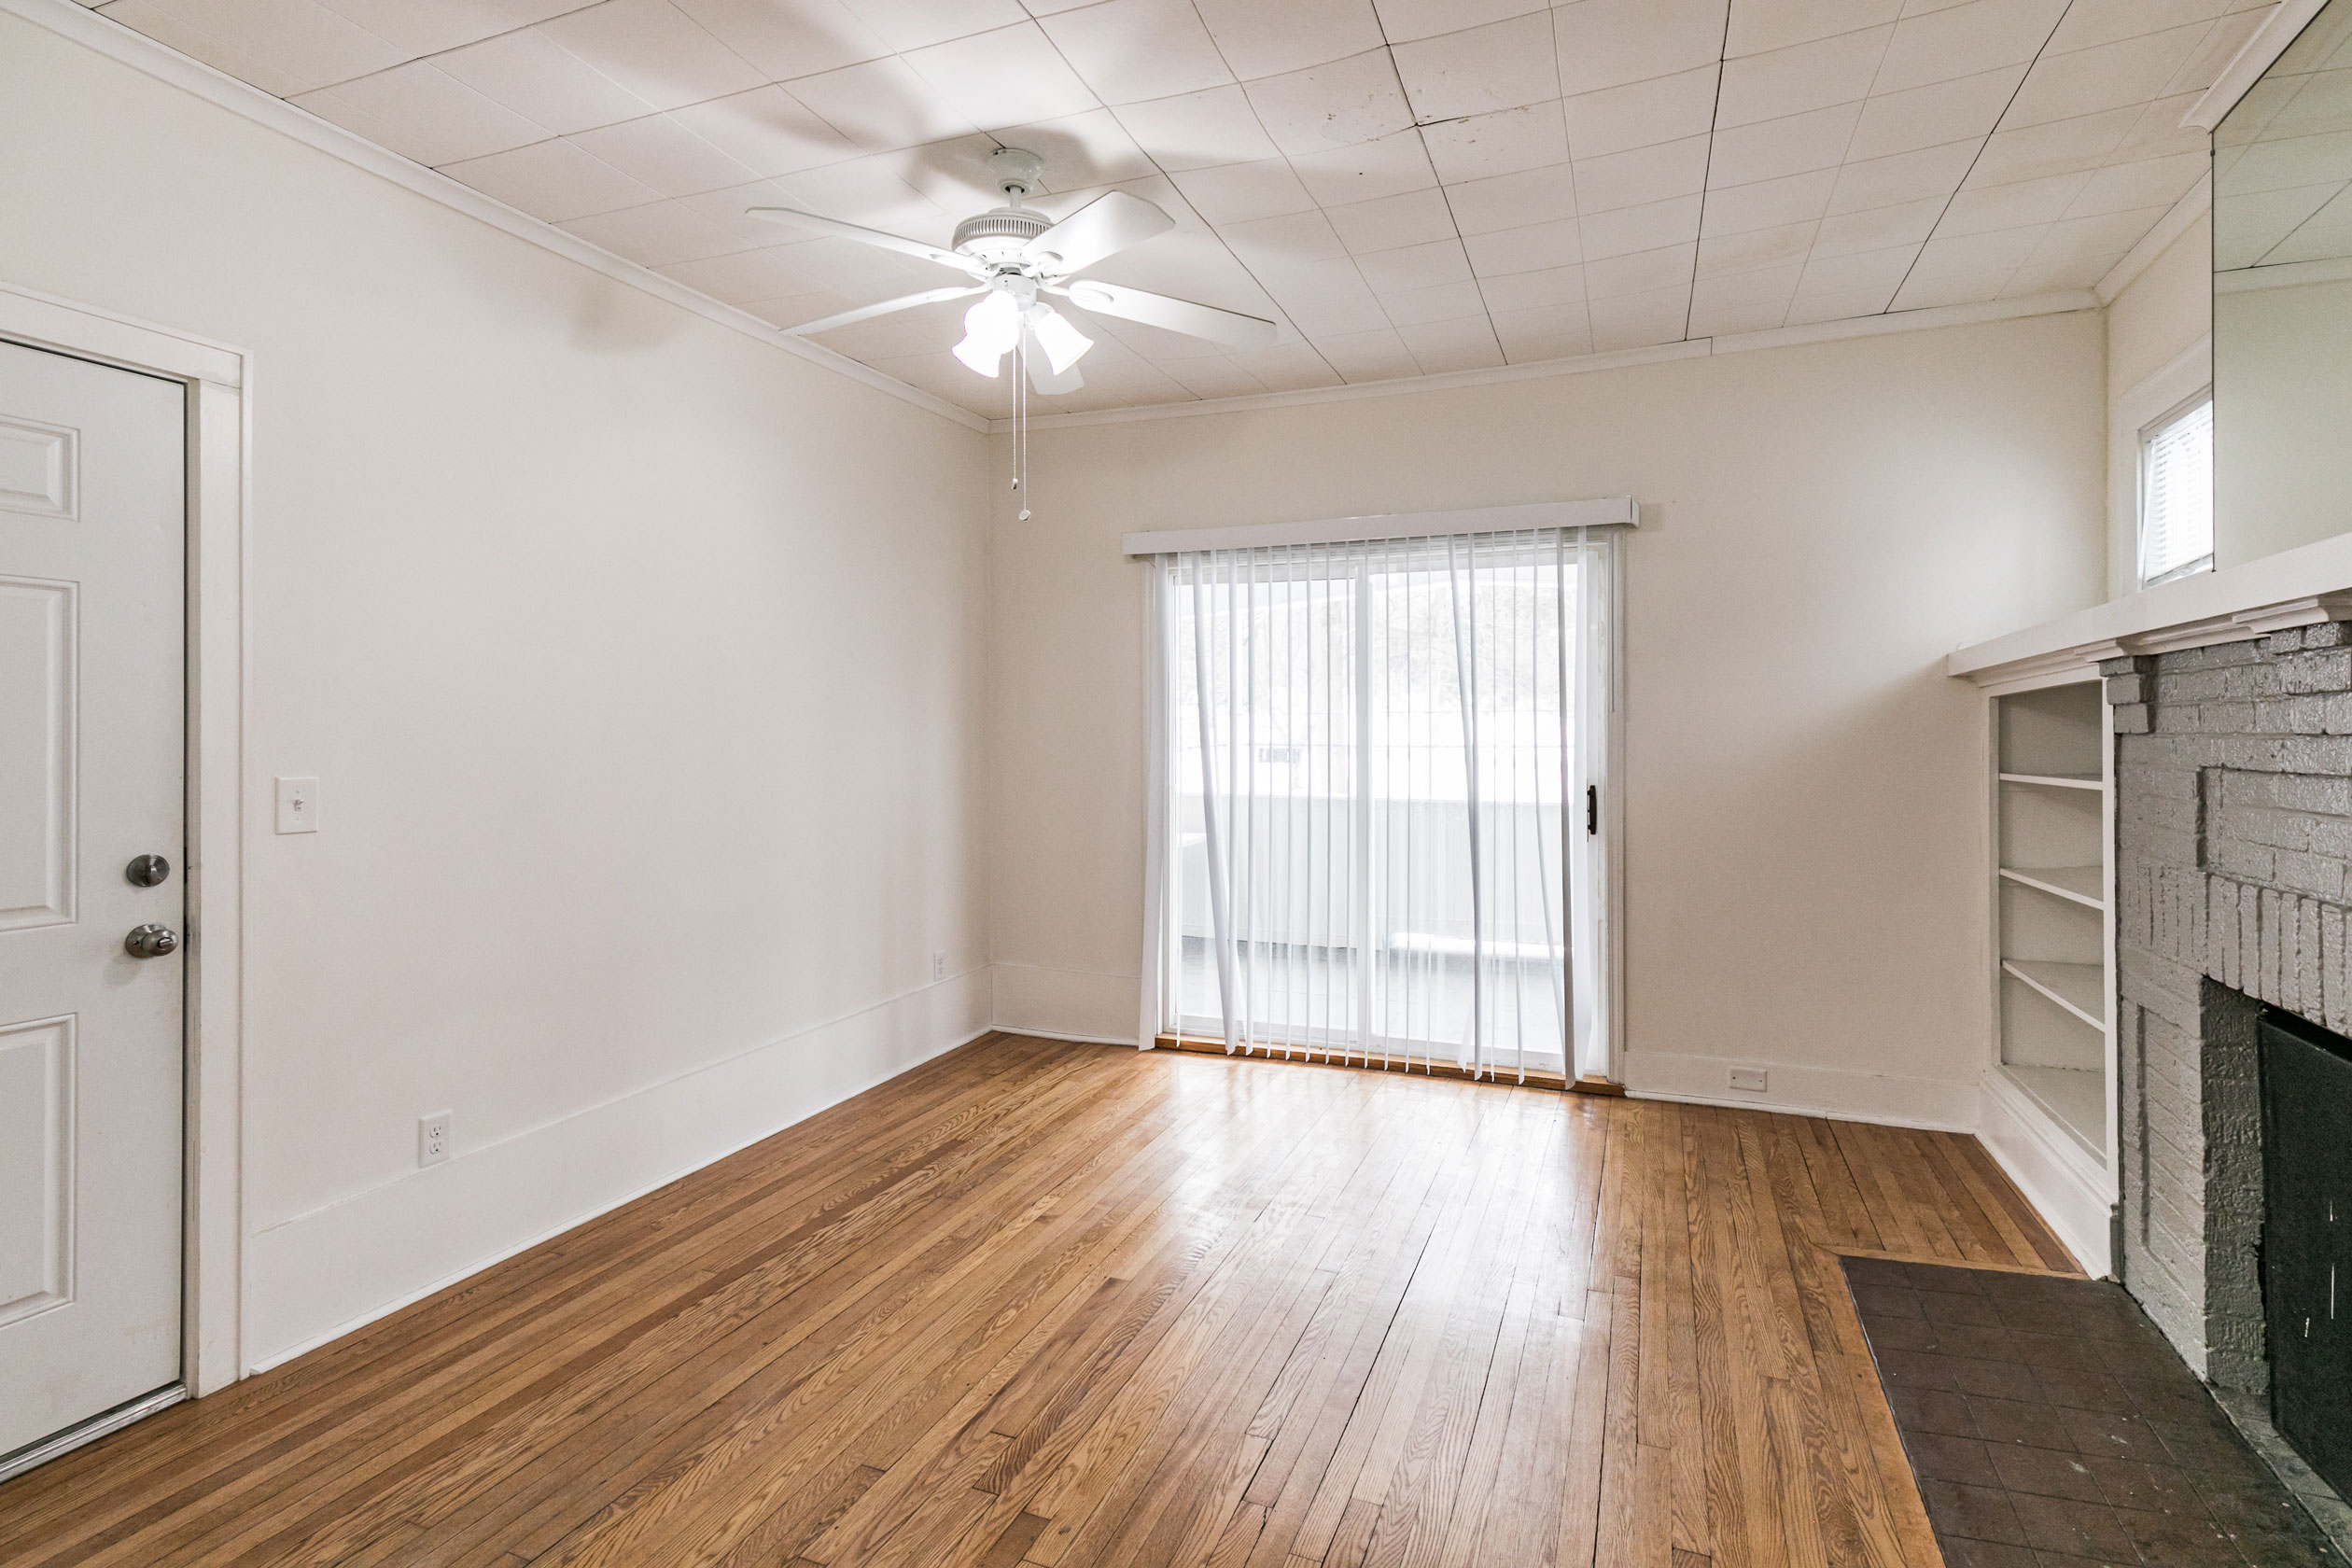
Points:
x=2143, y=439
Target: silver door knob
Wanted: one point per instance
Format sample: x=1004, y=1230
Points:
x=150, y=941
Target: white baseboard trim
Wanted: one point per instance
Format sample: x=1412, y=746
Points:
x=1840, y=1094
x=1127, y=1041
x=319, y=1276
x=1067, y=1004
x=2065, y=1187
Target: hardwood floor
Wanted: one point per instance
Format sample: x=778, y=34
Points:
x=1069, y=1305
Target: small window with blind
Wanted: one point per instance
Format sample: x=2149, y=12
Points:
x=2176, y=491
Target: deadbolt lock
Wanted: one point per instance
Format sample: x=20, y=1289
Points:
x=146, y=871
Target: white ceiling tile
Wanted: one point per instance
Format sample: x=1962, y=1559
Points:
x=767, y=131
x=1608, y=42
x=2108, y=77
x=1548, y=332
x=1405, y=19
x=784, y=41
x=859, y=274
x=1759, y=26
x=1662, y=109
x=743, y=276
x=1924, y=290
x=881, y=106
x=545, y=83
x=1128, y=50
x=2096, y=234
x=1388, y=167
x=1983, y=208
x=1465, y=344
x=791, y=310
x=871, y=192
x=1774, y=148
x=1199, y=129
x=288, y=46
x=419, y=112
x=2054, y=276
x=2155, y=182
x=1965, y=40
x=1292, y=238
x=1214, y=376
x=1924, y=116
x=1501, y=65
x=1736, y=209
x=1749, y=302
x=1644, y=229
x=1905, y=176
x=1808, y=308
x=1650, y=174
x=2158, y=132
x=1756, y=250
x=1971, y=254
x=2245, y=228
x=1287, y=367
x=2091, y=22
x=1380, y=355
x=725, y=210
x=551, y=180
x=1801, y=79
x=664, y=154
x=1317, y=315
x=1079, y=151
x=2056, y=146
x=1261, y=40
x=2284, y=163
x=1444, y=301
x=1530, y=248
x=1878, y=271
x=1421, y=266
x=1642, y=320
x=1484, y=145
x=1415, y=218
x=913, y=25
x=1529, y=290
x=655, y=235
x=420, y=27
x=655, y=50
x=1513, y=200
x=1238, y=192
x=1010, y=77
x=1879, y=228
x=1340, y=104
x=1641, y=273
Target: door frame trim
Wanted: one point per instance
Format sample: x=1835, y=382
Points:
x=220, y=454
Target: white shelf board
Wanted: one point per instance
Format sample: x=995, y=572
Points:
x=2073, y=1096
x=2057, y=781
x=2084, y=885
x=2080, y=988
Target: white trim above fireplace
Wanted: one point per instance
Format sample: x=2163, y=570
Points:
x=2298, y=587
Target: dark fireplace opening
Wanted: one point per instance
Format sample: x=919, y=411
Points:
x=2306, y=1239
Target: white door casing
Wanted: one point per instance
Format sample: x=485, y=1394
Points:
x=93, y=700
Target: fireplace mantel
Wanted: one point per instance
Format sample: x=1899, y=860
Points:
x=2293, y=588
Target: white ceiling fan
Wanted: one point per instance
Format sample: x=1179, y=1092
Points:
x=1017, y=254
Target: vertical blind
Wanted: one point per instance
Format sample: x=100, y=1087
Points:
x=2176, y=494
x=1373, y=807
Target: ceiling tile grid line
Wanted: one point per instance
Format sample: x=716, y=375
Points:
x=1404, y=187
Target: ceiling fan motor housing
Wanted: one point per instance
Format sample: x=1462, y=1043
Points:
x=998, y=235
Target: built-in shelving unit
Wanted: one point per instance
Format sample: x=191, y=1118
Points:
x=2050, y=882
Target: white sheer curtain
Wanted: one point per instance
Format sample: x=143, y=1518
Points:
x=1371, y=763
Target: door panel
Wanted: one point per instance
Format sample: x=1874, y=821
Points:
x=92, y=740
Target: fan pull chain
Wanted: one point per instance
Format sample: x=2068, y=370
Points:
x=1020, y=424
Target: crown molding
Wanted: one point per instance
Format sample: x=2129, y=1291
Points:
x=2192, y=205
x=1585, y=364
x=103, y=36
x=2259, y=53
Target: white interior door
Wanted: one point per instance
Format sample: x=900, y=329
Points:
x=91, y=711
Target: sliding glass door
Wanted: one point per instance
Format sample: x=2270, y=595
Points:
x=1377, y=768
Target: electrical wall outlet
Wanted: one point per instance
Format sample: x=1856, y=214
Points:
x=1755, y=1079
x=432, y=1137
x=939, y=966
x=296, y=805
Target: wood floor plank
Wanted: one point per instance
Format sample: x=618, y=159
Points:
x=1069, y=1307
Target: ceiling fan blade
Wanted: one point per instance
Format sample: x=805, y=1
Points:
x=867, y=312
x=1109, y=223
x=1229, y=328
x=1040, y=370
x=840, y=231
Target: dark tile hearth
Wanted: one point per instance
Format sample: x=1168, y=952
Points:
x=2051, y=1426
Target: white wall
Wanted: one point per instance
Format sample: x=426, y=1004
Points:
x=1805, y=789
x=641, y=663
x=2159, y=352
x=2282, y=404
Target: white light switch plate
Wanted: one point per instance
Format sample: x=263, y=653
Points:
x=296, y=805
